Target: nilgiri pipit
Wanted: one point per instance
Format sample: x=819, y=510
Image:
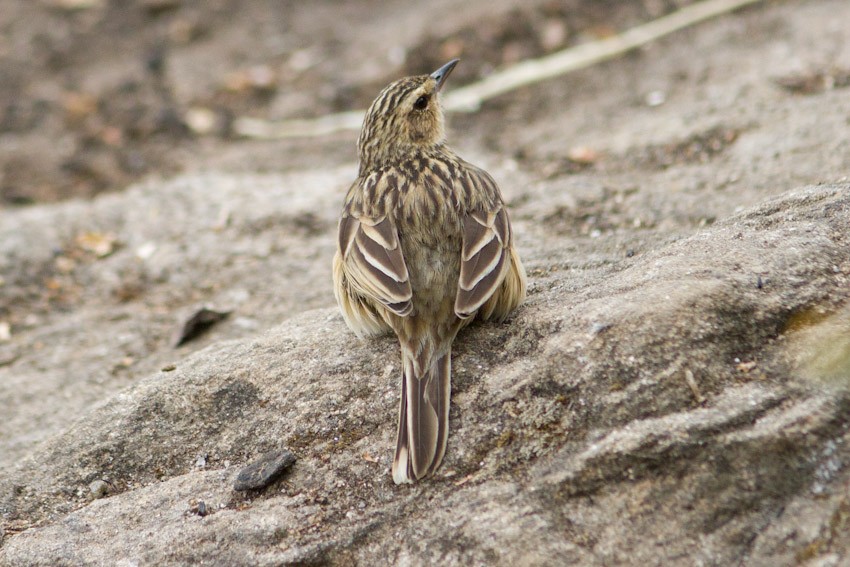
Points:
x=425, y=247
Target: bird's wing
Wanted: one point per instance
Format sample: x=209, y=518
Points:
x=486, y=240
x=373, y=261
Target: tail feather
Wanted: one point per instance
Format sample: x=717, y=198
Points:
x=423, y=424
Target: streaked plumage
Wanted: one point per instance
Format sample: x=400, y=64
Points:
x=425, y=246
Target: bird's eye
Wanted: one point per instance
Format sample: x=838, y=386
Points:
x=421, y=103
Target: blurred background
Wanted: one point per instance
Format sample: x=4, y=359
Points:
x=95, y=94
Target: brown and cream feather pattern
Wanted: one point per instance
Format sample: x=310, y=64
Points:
x=425, y=246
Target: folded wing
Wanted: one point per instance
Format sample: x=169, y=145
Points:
x=374, y=263
x=486, y=240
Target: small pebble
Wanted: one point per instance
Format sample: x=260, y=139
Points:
x=597, y=327
x=264, y=470
x=656, y=98
x=99, y=488
x=201, y=121
x=200, y=321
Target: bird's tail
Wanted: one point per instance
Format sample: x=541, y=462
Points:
x=423, y=417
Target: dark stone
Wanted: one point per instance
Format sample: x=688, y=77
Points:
x=264, y=470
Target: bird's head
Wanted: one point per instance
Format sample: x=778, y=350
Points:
x=405, y=117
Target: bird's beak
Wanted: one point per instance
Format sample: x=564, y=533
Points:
x=441, y=74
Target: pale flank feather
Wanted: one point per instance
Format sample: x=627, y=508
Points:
x=510, y=295
x=358, y=314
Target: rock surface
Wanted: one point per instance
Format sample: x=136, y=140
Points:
x=674, y=391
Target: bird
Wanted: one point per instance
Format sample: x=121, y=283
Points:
x=425, y=246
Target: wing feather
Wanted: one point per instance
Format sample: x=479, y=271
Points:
x=381, y=257
x=476, y=236
x=374, y=263
x=486, y=240
x=480, y=264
